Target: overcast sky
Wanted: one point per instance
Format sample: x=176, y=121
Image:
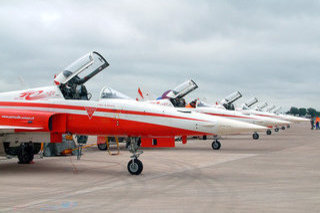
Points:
x=268, y=49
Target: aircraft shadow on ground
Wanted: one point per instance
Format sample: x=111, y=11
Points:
x=9, y=168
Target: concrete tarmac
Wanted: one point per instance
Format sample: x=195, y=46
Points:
x=278, y=173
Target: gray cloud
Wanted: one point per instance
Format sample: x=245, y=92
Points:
x=264, y=49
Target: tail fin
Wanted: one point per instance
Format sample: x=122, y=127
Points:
x=140, y=93
x=144, y=96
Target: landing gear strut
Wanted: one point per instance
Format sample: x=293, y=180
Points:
x=269, y=132
x=255, y=136
x=26, y=153
x=81, y=140
x=135, y=166
x=216, y=144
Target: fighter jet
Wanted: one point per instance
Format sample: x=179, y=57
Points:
x=175, y=98
x=30, y=117
x=273, y=112
x=228, y=102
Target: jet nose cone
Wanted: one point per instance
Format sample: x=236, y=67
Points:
x=237, y=127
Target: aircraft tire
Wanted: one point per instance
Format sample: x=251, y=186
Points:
x=269, y=132
x=216, y=145
x=255, y=136
x=102, y=146
x=283, y=128
x=288, y=127
x=276, y=129
x=135, y=167
x=10, y=150
x=26, y=153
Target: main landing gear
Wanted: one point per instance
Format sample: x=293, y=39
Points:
x=216, y=145
x=283, y=128
x=269, y=132
x=276, y=129
x=255, y=136
x=288, y=127
x=102, y=146
x=26, y=153
x=135, y=166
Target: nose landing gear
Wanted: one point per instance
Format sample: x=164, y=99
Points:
x=255, y=136
x=135, y=166
x=269, y=132
x=216, y=145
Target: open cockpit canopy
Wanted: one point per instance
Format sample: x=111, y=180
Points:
x=176, y=95
x=88, y=66
x=260, y=108
x=181, y=90
x=251, y=102
x=71, y=81
x=230, y=99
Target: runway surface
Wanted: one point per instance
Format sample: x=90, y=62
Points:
x=278, y=173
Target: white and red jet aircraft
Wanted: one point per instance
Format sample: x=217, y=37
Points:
x=272, y=112
x=288, y=118
x=175, y=98
x=30, y=117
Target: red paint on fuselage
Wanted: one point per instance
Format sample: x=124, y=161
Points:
x=81, y=124
x=100, y=125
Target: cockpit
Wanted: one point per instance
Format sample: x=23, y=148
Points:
x=229, y=100
x=109, y=93
x=260, y=108
x=176, y=95
x=249, y=103
x=71, y=81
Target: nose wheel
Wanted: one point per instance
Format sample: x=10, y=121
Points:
x=216, y=145
x=269, y=132
x=135, y=166
x=255, y=136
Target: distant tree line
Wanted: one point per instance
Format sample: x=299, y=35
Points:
x=309, y=112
